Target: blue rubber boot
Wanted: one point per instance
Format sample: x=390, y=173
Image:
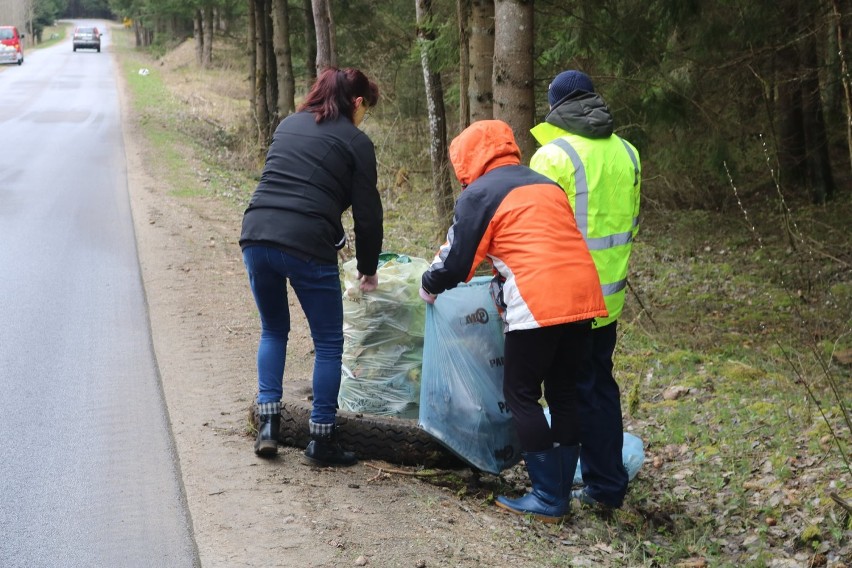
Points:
x=547, y=501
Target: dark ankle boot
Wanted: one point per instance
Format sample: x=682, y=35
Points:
x=266, y=443
x=547, y=501
x=324, y=451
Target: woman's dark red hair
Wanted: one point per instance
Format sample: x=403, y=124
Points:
x=334, y=93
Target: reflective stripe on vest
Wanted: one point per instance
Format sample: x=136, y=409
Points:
x=614, y=288
x=635, y=163
x=581, y=209
x=581, y=199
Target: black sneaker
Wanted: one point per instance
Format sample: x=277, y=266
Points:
x=324, y=451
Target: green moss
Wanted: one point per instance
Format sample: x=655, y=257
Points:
x=691, y=380
x=660, y=405
x=762, y=409
x=841, y=290
x=634, y=399
x=740, y=372
x=682, y=358
x=811, y=534
x=707, y=452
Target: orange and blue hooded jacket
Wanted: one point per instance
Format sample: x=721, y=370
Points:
x=522, y=223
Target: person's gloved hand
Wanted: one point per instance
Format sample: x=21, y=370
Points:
x=368, y=283
x=427, y=297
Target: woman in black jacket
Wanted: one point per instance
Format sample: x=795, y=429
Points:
x=318, y=165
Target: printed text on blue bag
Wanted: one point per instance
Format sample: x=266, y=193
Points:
x=479, y=316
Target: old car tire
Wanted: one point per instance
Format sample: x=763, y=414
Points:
x=395, y=440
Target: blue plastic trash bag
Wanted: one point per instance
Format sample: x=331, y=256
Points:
x=632, y=453
x=461, y=391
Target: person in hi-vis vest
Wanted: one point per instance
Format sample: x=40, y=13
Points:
x=600, y=172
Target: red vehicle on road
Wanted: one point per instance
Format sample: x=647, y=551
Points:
x=11, y=48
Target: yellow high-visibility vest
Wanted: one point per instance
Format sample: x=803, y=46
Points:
x=602, y=178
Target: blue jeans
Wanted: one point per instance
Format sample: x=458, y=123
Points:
x=317, y=287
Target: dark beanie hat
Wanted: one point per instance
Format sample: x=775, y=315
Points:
x=566, y=83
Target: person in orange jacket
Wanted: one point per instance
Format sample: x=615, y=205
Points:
x=546, y=289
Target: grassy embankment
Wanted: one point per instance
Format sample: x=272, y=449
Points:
x=54, y=34
x=734, y=351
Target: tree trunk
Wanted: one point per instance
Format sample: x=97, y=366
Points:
x=251, y=49
x=271, y=70
x=832, y=86
x=207, y=27
x=820, y=177
x=514, y=96
x=283, y=58
x=463, y=13
x=261, y=109
x=792, y=158
x=198, y=32
x=480, y=93
x=138, y=33
x=324, y=26
x=310, y=44
x=442, y=190
x=791, y=150
x=844, y=74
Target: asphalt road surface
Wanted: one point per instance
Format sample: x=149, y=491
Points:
x=88, y=473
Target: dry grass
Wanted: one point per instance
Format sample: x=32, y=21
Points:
x=218, y=113
x=210, y=94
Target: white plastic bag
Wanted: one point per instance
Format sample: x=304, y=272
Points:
x=383, y=339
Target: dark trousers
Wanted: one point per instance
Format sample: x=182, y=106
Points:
x=602, y=428
x=559, y=357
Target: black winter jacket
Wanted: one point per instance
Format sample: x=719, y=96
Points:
x=313, y=173
x=585, y=114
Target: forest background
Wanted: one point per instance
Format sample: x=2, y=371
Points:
x=709, y=94
x=736, y=344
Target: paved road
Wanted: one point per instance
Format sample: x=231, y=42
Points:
x=88, y=474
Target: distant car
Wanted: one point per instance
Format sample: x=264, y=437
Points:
x=87, y=38
x=11, y=48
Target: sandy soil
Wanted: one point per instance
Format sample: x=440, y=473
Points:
x=252, y=512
